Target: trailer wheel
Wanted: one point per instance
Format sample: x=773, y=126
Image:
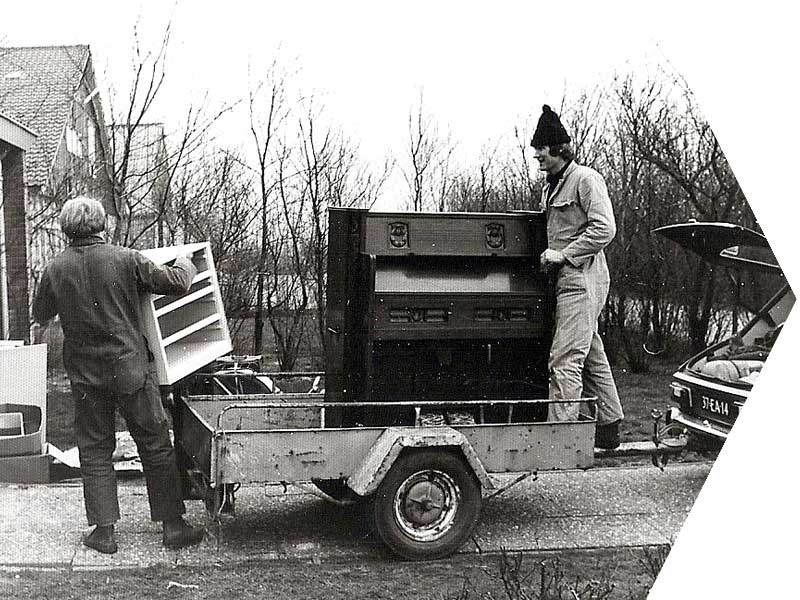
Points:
x=427, y=505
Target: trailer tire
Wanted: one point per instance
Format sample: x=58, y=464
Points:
x=427, y=505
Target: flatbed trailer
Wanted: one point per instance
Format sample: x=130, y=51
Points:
x=424, y=313
x=421, y=486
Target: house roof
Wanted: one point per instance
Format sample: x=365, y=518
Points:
x=37, y=87
x=15, y=133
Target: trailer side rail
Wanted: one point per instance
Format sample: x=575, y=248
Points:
x=254, y=401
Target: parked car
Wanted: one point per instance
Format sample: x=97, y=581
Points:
x=710, y=388
x=227, y=376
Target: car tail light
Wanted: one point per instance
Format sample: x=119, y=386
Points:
x=682, y=395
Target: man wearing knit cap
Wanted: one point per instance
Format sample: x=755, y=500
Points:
x=580, y=223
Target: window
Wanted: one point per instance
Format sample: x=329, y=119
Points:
x=90, y=142
x=250, y=385
x=243, y=384
x=74, y=142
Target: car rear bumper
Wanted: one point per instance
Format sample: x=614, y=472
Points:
x=674, y=415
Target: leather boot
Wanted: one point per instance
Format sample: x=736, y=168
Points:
x=179, y=534
x=607, y=436
x=102, y=539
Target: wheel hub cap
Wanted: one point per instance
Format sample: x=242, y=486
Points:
x=424, y=503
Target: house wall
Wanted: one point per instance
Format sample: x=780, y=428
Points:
x=16, y=248
x=78, y=168
x=54, y=103
x=44, y=237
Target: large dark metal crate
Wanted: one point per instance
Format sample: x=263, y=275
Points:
x=435, y=306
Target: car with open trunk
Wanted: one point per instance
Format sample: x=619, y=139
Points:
x=710, y=389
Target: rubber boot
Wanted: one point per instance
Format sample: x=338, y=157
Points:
x=607, y=436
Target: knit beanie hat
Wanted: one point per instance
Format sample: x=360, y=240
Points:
x=549, y=130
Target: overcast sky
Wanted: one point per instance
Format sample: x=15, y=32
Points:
x=484, y=68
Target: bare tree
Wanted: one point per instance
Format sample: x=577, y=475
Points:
x=214, y=200
x=528, y=188
x=429, y=155
x=660, y=119
x=332, y=175
x=268, y=111
x=144, y=158
x=585, y=118
x=500, y=180
x=288, y=297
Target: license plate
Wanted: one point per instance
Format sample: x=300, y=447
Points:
x=716, y=407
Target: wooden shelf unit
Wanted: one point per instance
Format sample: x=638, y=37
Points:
x=187, y=331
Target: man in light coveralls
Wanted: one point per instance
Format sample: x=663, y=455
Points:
x=580, y=223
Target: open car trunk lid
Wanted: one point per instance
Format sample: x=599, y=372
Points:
x=723, y=244
x=736, y=361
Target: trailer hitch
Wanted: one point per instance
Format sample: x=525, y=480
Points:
x=668, y=439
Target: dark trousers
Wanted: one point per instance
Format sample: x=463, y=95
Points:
x=95, y=410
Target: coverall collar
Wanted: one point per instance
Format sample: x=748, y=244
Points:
x=552, y=190
x=554, y=178
x=89, y=240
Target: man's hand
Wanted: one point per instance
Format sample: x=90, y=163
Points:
x=37, y=331
x=551, y=258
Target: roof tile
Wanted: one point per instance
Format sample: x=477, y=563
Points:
x=37, y=85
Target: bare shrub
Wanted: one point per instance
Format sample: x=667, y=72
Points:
x=544, y=580
x=652, y=559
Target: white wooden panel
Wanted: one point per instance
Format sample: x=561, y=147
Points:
x=188, y=331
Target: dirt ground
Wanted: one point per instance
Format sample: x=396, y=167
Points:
x=610, y=575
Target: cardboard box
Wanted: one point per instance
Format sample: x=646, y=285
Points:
x=28, y=437
x=23, y=391
x=25, y=469
x=188, y=331
x=11, y=423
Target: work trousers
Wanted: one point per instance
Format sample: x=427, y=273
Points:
x=95, y=410
x=578, y=364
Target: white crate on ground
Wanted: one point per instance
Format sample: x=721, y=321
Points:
x=187, y=331
x=23, y=391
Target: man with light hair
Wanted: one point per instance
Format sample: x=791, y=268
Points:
x=96, y=290
x=580, y=224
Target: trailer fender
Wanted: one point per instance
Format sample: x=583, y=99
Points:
x=381, y=456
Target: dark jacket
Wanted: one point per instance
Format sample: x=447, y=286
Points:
x=97, y=291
